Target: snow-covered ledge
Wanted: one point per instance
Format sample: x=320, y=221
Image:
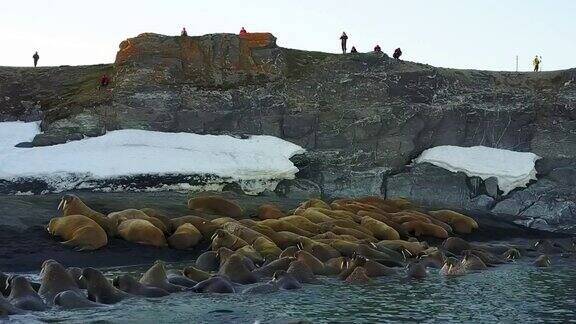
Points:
x=257, y=163
x=512, y=169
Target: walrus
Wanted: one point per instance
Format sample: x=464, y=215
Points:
x=266, y=248
x=141, y=231
x=452, y=267
x=73, y=205
x=8, y=309
x=185, y=237
x=208, y=261
x=251, y=253
x=206, y=227
x=128, y=214
x=220, y=221
x=71, y=299
x=461, y=224
x=348, y=231
x=222, y=238
x=214, y=284
x=409, y=216
x=55, y=279
x=512, y=254
x=302, y=272
x=382, y=255
x=378, y=202
x=280, y=225
x=23, y=296
x=265, y=288
x=433, y=258
x=131, y=286
x=315, y=216
x=4, y=289
x=311, y=261
x=269, y=211
x=311, y=203
x=159, y=215
x=346, y=224
x=286, y=280
x=358, y=276
x=215, y=205
x=374, y=269
x=386, y=220
x=416, y=270
x=100, y=290
x=236, y=271
x=415, y=248
x=78, y=231
x=76, y=274
x=332, y=236
x=456, y=245
x=381, y=230
x=269, y=269
x=178, y=278
x=547, y=247
x=543, y=261
x=400, y=203
x=424, y=229
x=488, y=258
x=156, y=277
x=322, y=251
x=196, y=274
x=303, y=223
x=335, y=266
x=337, y=214
x=247, y=234
x=472, y=263
x=289, y=252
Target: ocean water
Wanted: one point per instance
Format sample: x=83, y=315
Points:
x=515, y=292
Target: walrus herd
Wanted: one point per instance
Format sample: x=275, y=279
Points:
x=355, y=240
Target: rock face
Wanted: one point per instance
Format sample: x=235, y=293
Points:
x=361, y=117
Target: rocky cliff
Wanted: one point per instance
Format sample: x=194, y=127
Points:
x=362, y=117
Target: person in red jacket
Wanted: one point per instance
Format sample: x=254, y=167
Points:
x=104, y=81
x=243, y=31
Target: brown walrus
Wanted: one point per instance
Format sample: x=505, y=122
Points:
x=185, y=237
x=156, y=277
x=235, y=269
x=543, y=261
x=302, y=272
x=23, y=296
x=269, y=269
x=196, y=274
x=76, y=274
x=78, y=231
x=208, y=261
x=70, y=299
x=141, y=231
x=100, y=290
x=425, y=229
x=206, y=227
x=130, y=285
x=269, y=211
x=55, y=279
x=472, y=263
x=159, y=215
x=73, y=205
x=214, y=284
x=222, y=238
x=358, y=276
x=127, y=214
x=215, y=205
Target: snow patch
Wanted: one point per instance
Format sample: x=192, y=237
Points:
x=512, y=169
x=257, y=163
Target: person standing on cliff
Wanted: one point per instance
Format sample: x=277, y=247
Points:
x=536, y=63
x=397, y=53
x=343, y=40
x=36, y=57
x=184, y=32
x=242, y=31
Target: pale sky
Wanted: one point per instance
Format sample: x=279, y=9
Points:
x=476, y=34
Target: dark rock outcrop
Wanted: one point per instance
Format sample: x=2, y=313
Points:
x=361, y=117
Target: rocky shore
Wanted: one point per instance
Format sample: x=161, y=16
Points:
x=362, y=118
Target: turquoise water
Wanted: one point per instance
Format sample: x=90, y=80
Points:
x=515, y=292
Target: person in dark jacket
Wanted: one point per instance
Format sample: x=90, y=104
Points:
x=184, y=32
x=377, y=49
x=343, y=40
x=353, y=50
x=397, y=53
x=36, y=57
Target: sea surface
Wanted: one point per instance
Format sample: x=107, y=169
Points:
x=514, y=292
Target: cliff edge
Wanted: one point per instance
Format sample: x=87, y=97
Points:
x=362, y=117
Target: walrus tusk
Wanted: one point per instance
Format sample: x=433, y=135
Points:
x=300, y=246
x=62, y=204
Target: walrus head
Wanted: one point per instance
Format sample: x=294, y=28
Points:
x=278, y=275
x=65, y=201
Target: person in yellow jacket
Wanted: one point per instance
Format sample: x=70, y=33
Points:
x=536, y=63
